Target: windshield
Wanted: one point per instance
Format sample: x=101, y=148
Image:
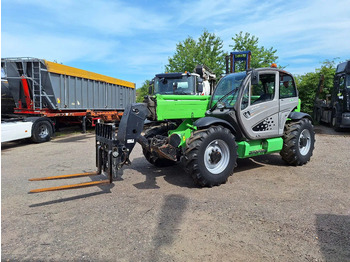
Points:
x=348, y=81
x=226, y=90
x=179, y=86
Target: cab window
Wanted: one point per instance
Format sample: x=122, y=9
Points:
x=264, y=91
x=287, y=87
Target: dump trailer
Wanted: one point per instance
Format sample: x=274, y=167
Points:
x=250, y=113
x=63, y=94
x=334, y=108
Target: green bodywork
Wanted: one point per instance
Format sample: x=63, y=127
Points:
x=244, y=148
x=184, y=131
x=192, y=107
x=298, y=107
x=181, y=106
x=259, y=147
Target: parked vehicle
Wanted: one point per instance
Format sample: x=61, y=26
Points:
x=334, y=108
x=59, y=94
x=250, y=113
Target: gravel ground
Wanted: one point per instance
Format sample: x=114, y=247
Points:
x=267, y=211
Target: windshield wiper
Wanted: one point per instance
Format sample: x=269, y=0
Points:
x=232, y=92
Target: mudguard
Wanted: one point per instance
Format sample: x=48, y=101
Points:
x=299, y=115
x=209, y=120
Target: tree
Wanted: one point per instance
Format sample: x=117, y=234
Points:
x=261, y=56
x=307, y=84
x=190, y=53
x=142, y=91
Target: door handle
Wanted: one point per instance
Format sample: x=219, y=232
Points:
x=246, y=114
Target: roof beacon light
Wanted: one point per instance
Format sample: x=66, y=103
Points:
x=274, y=65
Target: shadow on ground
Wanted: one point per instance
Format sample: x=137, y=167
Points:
x=327, y=130
x=170, y=217
x=70, y=139
x=177, y=176
x=65, y=135
x=6, y=146
x=334, y=236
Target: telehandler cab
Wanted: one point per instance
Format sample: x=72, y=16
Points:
x=250, y=113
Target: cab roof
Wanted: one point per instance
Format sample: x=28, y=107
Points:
x=343, y=67
x=174, y=75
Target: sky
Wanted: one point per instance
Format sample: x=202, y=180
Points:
x=132, y=40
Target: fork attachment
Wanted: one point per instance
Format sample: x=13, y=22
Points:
x=112, y=152
x=80, y=185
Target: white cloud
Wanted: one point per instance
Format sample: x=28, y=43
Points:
x=52, y=47
x=314, y=28
x=138, y=38
x=103, y=16
x=206, y=12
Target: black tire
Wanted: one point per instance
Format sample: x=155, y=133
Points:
x=211, y=156
x=151, y=157
x=41, y=131
x=334, y=122
x=298, y=142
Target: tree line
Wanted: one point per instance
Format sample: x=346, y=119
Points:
x=208, y=50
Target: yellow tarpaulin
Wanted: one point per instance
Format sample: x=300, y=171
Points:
x=72, y=71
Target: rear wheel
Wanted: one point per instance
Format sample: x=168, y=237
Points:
x=211, y=156
x=41, y=131
x=152, y=157
x=298, y=142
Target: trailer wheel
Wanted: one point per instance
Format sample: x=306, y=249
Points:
x=41, y=131
x=298, y=142
x=210, y=156
x=152, y=158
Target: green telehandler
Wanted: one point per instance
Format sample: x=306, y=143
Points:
x=250, y=113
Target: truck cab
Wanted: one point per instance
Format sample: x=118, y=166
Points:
x=341, y=96
x=180, y=95
x=334, y=109
x=177, y=84
x=201, y=82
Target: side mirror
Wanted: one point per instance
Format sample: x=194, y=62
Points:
x=200, y=87
x=254, y=77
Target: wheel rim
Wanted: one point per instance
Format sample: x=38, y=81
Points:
x=43, y=131
x=304, y=142
x=216, y=156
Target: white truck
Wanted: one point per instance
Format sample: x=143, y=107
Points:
x=38, y=129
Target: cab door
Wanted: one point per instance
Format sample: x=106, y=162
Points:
x=288, y=99
x=259, y=108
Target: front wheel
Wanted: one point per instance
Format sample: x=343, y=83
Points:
x=298, y=142
x=41, y=131
x=210, y=156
